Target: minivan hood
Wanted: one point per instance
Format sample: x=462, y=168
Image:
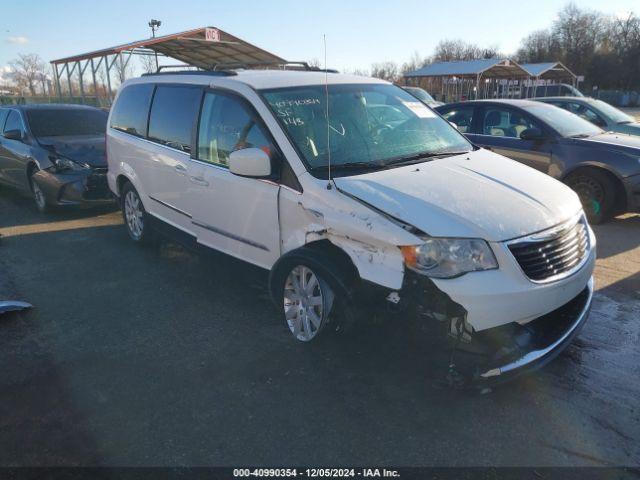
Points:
x=81, y=149
x=474, y=195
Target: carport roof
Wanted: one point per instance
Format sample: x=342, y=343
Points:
x=203, y=47
x=548, y=70
x=489, y=67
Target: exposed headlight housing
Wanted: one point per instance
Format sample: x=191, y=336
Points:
x=449, y=257
x=64, y=164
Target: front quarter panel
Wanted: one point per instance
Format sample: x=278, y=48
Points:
x=571, y=154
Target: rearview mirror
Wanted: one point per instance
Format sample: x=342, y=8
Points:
x=13, y=135
x=532, y=134
x=250, y=162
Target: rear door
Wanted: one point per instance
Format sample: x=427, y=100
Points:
x=235, y=215
x=498, y=128
x=172, y=120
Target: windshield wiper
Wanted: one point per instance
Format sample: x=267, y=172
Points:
x=348, y=165
x=580, y=135
x=624, y=122
x=422, y=156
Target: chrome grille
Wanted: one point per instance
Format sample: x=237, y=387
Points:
x=544, y=257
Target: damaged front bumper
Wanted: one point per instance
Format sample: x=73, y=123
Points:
x=516, y=349
x=495, y=354
x=75, y=188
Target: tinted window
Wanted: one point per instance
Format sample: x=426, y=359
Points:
x=13, y=122
x=58, y=122
x=3, y=116
x=503, y=122
x=132, y=109
x=462, y=117
x=173, y=112
x=227, y=125
x=565, y=123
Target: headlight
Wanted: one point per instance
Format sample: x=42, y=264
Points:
x=64, y=164
x=449, y=257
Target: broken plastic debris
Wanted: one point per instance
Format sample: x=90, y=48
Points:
x=13, y=305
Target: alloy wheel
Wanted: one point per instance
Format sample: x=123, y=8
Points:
x=304, y=306
x=38, y=196
x=133, y=214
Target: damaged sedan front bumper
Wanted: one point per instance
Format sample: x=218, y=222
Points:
x=75, y=188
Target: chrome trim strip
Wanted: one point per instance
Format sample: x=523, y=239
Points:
x=537, y=355
x=541, y=236
x=177, y=210
x=231, y=235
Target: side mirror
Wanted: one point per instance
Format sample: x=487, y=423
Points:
x=13, y=135
x=454, y=125
x=250, y=162
x=532, y=134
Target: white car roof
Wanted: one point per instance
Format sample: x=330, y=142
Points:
x=259, y=79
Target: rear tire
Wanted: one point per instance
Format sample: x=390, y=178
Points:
x=597, y=193
x=134, y=215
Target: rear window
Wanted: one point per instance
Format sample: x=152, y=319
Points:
x=173, y=114
x=52, y=122
x=131, y=111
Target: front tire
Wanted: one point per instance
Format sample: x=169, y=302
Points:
x=307, y=302
x=134, y=215
x=38, y=195
x=597, y=194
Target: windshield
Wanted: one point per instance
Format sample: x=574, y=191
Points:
x=612, y=112
x=420, y=94
x=565, y=123
x=371, y=125
x=57, y=122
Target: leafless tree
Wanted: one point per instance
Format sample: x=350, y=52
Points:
x=27, y=71
x=123, y=68
x=415, y=62
x=148, y=63
x=385, y=70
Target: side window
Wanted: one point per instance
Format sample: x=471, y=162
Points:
x=13, y=122
x=131, y=111
x=3, y=116
x=588, y=114
x=173, y=113
x=462, y=117
x=502, y=122
x=227, y=125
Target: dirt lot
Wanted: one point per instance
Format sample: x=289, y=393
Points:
x=166, y=357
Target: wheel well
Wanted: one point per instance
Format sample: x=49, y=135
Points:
x=620, y=201
x=333, y=258
x=30, y=169
x=120, y=182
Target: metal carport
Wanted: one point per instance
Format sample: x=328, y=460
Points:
x=547, y=73
x=203, y=48
x=482, y=78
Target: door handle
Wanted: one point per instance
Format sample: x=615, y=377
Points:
x=199, y=181
x=180, y=169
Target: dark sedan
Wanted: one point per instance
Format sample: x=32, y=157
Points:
x=603, y=168
x=56, y=153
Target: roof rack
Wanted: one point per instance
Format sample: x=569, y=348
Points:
x=264, y=65
x=188, y=70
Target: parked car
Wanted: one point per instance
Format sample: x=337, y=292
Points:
x=555, y=90
x=422, y=95
x=603, y=168
x=55, y=153
x=350, y=215
x=599, y=113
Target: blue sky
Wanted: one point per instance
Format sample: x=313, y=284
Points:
x=358, y=32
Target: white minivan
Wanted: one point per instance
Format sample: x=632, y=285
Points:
x=356, y=196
